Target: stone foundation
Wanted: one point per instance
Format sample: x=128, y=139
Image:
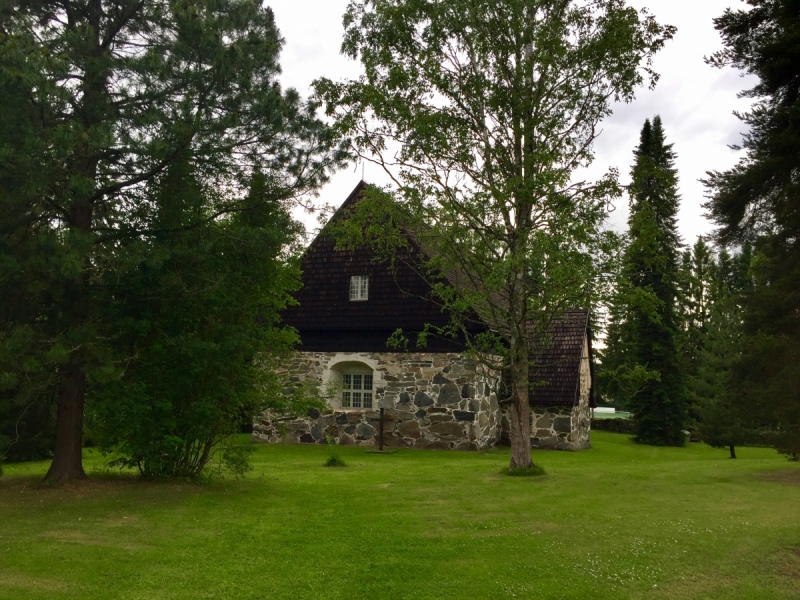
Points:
x=431, y=400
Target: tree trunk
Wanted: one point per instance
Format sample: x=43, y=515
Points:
x=733, y=451
x=519, y=414
x=67, y=460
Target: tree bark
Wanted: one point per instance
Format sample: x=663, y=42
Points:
x=519, y=411
x=67, y=462
x=733, y=451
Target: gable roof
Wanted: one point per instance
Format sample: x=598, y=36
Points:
x=556, y=374
x=399, y=298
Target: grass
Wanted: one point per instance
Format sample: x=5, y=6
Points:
x=532, y=471
x=618, y=521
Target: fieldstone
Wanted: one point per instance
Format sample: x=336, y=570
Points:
x=483, y=420
x=296, y=426
x=467, y=391
x=405, y=398
x=447, y=429
x=313, y=413
x=422, y=443
x=341, y=418
x=437, y=409
x=420, y=414
x=346, y=440
x=471, y=446
x=404, y=415
x=409, y=429
x=475, y=405
x=306, y=439
x=548, y=443
x=441, y=418
x=355, y=417
x=563, y=424
x=440, y=379
x=363, y=430
x=316, y=433
x=390, y=378
x=350, y=429
x=564, y=446
x=332, y=431
x=438, y=445
x=543, y=433
x=422, y=399
x=325, y=421
x=449, y=394
x=464, y=415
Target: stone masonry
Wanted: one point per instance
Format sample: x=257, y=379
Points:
x=431, y=400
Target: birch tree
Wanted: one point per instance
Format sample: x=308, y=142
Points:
x=481, y=112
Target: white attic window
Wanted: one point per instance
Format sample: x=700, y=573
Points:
x=359, y=287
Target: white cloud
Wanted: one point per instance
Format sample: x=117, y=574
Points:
x=695, y=101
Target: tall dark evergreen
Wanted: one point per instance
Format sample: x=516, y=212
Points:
x=99, y=99
x=720, y=420
x=696, y=297
x=643, y=356
x=758, y=200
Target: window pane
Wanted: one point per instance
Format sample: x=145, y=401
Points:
x=346, y=399
x=364, y=287
x=367, y=382
x=356, y=399
x=354, y=288
x=347, y=380
x=367, y=399
x=357, y=382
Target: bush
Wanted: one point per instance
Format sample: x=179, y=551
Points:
x=626, y=426
x=335, y=461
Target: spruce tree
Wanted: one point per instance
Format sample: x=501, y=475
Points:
x=644, y=355
x=758, y=200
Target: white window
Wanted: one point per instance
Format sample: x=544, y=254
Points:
x=357, y=390
x=359, y=287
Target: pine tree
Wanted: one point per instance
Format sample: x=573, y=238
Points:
x=100, y=98
x=758, y=200
x=643, y=354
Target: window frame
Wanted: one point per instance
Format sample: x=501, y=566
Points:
x=361, y=288
x=348, y=397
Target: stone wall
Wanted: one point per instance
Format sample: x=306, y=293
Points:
x=431, y=400
x=562, y=427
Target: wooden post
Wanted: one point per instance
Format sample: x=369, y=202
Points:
x=381, y=441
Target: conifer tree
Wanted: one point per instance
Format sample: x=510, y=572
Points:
x=643, y=357
x=758, y=200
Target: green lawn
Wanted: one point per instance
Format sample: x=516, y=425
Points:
x=618, y=521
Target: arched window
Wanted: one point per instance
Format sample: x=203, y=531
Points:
x=357, y=388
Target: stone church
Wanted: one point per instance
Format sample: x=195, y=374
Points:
x=434, y=397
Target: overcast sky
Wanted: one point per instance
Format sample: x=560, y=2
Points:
x=696, y=102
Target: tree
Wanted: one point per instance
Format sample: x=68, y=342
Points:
x=721, y=421
x=695, y=302
x=758, y=201
x=107, y=95
x=481, y=112
x=644, y=352
x=200, y=355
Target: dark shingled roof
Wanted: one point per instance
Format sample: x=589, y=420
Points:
x=556, y=373
x=399, y=298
